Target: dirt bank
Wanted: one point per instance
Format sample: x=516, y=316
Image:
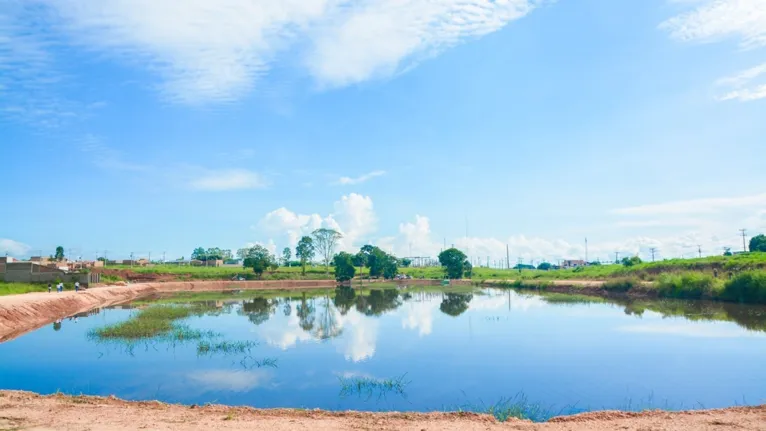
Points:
x=28, y=411
x=20, y=314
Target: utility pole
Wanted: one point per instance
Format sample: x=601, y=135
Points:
x=163, y=257
x=744, y=247
x=131, y=259
x=586, y=250
x=507, y=256
x=699, y=249
x=652, y=250
x=616, y=257
x=150, y=258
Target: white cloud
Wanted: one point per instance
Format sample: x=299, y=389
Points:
x=360, y=179
x=228, y=179
x=419, y=315
x=380, y=37
x=106, y=157
x=227, y=380
x=742, y=79
x=218, y=50
x=353, y=216
x=689, y=329
x=13, y=248
x=360, y=335
x=714, y=20
x=694, y=206
x=746, y=95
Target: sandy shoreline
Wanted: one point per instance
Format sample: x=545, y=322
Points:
x=32, y=412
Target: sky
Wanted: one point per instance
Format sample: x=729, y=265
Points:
x=138, y=126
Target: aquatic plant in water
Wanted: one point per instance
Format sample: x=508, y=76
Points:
x=369, y=385
x=205, y=347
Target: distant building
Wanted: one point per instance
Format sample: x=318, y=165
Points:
x=568, y=264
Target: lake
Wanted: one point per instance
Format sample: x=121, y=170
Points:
x=413, y=349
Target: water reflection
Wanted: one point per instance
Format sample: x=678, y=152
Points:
x=290, y=349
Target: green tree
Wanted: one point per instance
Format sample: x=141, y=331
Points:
x=453, y=261
x=305, y=251
x=198, y=254
x=544, y=266
x=631, y=261
x=286, y=255
x=360, y=260
x=213, y=253
x=258, y=258
x=344, y=267
x=758, y=243
x=59, y=253
x=727, y=251
x=467, y=269
x=405, y=263
x=325, y=241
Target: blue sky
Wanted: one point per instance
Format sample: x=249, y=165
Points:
x=143, y=126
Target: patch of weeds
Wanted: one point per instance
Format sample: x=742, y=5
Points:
x=518, y=407
x=224, y=347
x=248, y=362
x=621, y=285
x=229, y=417
x=369, y=386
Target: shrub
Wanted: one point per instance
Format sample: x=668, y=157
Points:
x=746, y=287
x=687, y=285
x=621, y=284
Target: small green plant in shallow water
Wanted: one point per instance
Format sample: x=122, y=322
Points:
x=206, y=347
x=369, y=386
x=152, y=322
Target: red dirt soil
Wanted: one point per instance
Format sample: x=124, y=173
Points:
x=32, y=412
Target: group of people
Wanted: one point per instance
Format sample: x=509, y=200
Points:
x=60, y=287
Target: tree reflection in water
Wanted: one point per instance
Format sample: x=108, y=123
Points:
x=455, y=304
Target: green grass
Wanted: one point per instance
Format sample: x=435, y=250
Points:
x=206, y=347
x=747, y=287
x=688, y=285
x=621, y=285
x=152, y=322
x=19, y=288
x=518, y=407
x=369, y=386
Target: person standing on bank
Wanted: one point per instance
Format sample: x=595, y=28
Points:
x=76, y=286
x=49, y=287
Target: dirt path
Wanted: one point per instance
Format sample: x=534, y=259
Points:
x=30, y=412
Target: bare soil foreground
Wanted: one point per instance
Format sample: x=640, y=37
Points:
x=28, y=411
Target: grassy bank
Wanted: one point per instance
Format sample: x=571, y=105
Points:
x=19, y=288
x=748, y=287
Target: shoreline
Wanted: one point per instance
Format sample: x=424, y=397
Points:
x=29, y=411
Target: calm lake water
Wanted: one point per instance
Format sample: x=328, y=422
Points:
x=447, y=350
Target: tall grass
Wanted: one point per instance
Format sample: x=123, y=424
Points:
x=621, y=285
x=688, y=285
x=19, y=288
x=747, y=287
